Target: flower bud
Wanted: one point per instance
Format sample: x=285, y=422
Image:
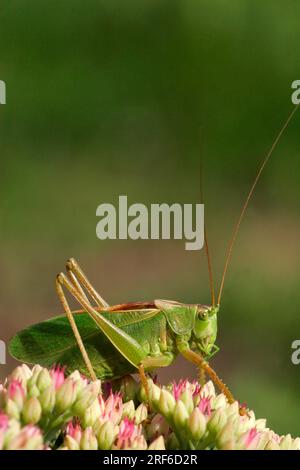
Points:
x=47, y=399
x=31, y=383
x=158, y=426
x=141, y=413
x=272, y=445
x=157, y=444
x=29, y=438
x=12, y=409
x=86, y=397
x=225, y=438
x=208, y=390
x=74, y=431
x=106, y=436
x=217, y=421
x=249, y=440
x=197, y=424
x=296, y=444
x=220, y=402
x=286, y=442
x=139, y=443
x=80, y=381
x=32, y=411
x=77, y=377
x=154, y=392
x=166, y=403
x=43, y=380
x=70, y=443
x=36, y=371
x=260, y=424
x=66, y=395
x=180, y=414
x=3, y=427
x=111, y=408
x=236, y=421
x=12, y=429
x=97, y=425
x=22, y=374
x=88, y=440
x=204, y=405
x=263, y=439
x=58, y=376
x=232, y=409
x=16, y=393
x=91, y=415
x=187, y=399
x=33, y=391
x=128, y=410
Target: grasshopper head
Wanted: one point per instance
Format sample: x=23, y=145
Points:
x=205, y=328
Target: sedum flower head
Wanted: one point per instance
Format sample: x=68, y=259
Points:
x=46, y=409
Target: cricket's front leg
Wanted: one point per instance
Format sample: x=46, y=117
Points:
x=212, y=353
x=198, y=360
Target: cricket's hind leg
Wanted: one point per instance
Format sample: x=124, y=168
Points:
x=74, y=282
x=78, y=278
x=60, y=281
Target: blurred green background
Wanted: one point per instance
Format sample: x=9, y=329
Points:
x=110, y=97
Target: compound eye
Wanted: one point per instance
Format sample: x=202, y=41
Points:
x=204, y=315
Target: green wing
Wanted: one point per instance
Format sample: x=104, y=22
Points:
x=180, y=317
x=52, y=341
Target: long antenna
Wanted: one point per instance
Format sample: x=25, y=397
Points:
x=237, y=226
x=207, y=252
x=210, y=271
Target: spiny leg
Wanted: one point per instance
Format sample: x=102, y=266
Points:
x=198, y=360
x=201, y=370
x=59, y=288
x=73, y=268
x=77, y=284
x=122, y=341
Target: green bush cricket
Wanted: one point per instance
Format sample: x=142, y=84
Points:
x=108, y=342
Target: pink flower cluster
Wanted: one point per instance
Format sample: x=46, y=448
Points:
x=39, y=406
